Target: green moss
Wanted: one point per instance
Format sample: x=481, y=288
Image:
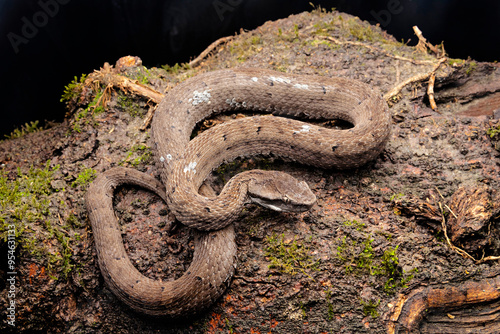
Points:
x=82, y=117
x=289, y=36
x=73, y=89
x=290, y=257
x=455, y=61
x=84, y=177
x=247, y=47
x=255, y=40
x=140, y=73
x=61, y=260
x=493, y=132
x=25, y=129
x=130, y=106
x=471, y=67
x=24, y=200
x=349, y=28
x=389, y=267
x=354, y=223
x=361, y=31
x=317, y=9
x=358, y=257
x=330, y=311
x=296, y=31
x=396, y=196
x=370, y=308
x=73, y=221
x=177, y=68
x=25, y=203
x=356, y=260
x=322, y=28
x=142, y=155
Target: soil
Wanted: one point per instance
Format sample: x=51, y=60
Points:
x=423, y=217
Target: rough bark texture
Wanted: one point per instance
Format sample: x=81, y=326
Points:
x=370, y=257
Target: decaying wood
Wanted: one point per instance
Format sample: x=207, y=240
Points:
x=411, y=309
x=467, y=222
x=110, y=78
x=475, y=211
x=426, y=152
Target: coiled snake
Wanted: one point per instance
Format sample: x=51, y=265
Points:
x=185, y=164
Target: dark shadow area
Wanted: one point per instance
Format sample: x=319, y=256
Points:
x=45, y=43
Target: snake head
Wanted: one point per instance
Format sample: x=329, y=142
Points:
x=280, y=192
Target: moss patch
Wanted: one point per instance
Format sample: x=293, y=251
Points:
x=73, y=90
x=84, y=178
x=25, y=202
x=358, y=257
x=290, y=257
x=138, y=154
x=86, y=115
x=130, y=106
x=177, y=68
x=24, y=129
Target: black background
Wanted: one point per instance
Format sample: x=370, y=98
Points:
x=80, y=35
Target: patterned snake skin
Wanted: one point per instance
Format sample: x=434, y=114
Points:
x=185, y=164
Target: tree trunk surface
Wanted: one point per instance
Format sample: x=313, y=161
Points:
x=408, y=243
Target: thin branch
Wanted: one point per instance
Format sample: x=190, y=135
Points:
x=210, y=48
x=423, y=45
x=375, y=49
x=448, y=241
x=148, y=118
x=417, y=78
x=430, y=91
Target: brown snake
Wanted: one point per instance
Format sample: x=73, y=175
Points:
x=185, y=164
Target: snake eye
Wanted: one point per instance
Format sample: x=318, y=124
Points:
x=286, y=199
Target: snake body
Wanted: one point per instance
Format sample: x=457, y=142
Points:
x=294, y=96
x=185, y=164
x=209, y=273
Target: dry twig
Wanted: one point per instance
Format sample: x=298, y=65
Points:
x=375, y=49
x=448, y=241
x=114, y=80
x=430, y=91
x=148, y=118
x=423, y=45
x=419, y=77
x=210, y=48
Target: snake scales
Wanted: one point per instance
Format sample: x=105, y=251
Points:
x=185, y=164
